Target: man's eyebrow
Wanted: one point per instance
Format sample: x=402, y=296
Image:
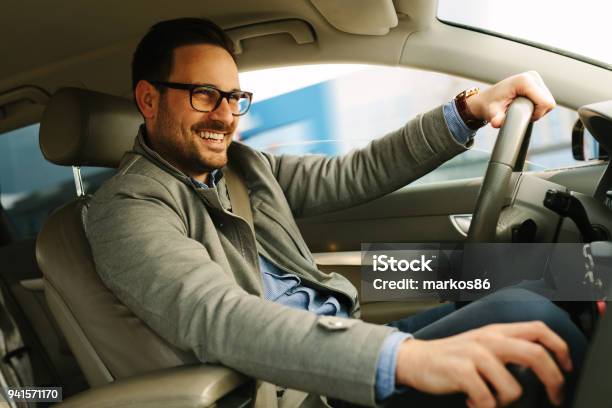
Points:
x=215, y=86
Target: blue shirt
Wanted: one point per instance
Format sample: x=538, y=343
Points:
x=287, y=289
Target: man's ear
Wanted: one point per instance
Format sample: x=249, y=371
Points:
x=147, y=98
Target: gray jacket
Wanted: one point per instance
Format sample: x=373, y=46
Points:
x=188, y=267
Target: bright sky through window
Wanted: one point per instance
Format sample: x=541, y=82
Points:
x=580, y=27
x=267, y=83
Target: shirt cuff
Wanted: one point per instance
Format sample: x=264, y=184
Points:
x=460, y=131
x=387, y=361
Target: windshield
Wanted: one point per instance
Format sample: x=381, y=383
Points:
x=580, y=29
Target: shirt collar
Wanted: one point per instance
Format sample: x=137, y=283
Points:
x=213, y=177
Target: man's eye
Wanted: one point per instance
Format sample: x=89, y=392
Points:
x=203, y=92
x=235, y=97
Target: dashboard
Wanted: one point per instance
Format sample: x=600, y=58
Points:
x=586, y=187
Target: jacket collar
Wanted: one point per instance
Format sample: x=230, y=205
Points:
x=142, y=148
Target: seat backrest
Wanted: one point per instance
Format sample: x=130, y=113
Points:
x=82, y=127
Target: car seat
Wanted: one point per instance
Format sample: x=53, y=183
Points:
x=112, y=346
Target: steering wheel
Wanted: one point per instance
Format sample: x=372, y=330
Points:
x=508, y=155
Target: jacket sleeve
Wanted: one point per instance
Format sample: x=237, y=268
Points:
x=316, y=184
x=143, y=254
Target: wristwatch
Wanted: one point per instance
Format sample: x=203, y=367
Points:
x=462, y=107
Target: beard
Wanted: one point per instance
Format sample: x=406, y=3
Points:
x=183, y=148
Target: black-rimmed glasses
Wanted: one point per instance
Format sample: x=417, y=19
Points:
x=207, y=98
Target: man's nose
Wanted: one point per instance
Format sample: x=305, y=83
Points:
x=223, y=112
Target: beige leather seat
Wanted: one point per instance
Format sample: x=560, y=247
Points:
x=85, y=128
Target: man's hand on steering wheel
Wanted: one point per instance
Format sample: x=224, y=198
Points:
x=492, y=103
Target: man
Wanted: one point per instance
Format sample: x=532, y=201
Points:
x=166, y=242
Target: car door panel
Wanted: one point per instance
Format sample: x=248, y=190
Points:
x=412, y=214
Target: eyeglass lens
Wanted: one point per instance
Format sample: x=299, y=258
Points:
x=206, y=99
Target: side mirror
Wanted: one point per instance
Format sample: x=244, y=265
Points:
x=584, y=145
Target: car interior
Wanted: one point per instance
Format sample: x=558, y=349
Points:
x=67, y=68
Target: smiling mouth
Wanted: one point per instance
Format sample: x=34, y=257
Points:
x=214, y=137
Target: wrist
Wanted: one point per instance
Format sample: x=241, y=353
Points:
x=469, y=104
x=405, y=359
x=474, y=107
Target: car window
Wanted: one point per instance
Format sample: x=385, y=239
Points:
x=331, y=109
x=30, y=186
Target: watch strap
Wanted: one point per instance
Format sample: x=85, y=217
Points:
x=462, y=107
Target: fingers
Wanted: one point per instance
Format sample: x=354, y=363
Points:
x=534, y=356
x=506, y=386
x=532, y=86
x=474, y=362
x=538, y=331
x=479, y=395
x=500, y=96
x=498, y=119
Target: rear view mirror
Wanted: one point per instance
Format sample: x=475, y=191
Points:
x=584, y=145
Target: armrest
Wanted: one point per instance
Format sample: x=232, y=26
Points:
x=187, y=386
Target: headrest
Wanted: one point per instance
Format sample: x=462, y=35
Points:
x=87, y=128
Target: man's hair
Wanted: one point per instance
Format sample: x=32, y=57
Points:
x=152, y=59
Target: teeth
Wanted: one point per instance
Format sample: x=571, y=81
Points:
x=211, y=135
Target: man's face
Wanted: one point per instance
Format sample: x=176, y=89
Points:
x=179, y=133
